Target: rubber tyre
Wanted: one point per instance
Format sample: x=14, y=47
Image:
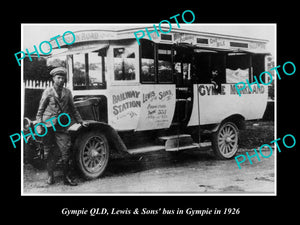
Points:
x=225, y=141
x=92, y=154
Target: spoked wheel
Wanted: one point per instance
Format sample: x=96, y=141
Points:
x=92, y=154
x=225, y=141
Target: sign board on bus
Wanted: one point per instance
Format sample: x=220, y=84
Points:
x=218, y=42
x=84, y=36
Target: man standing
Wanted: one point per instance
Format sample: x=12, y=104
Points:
x=56, y=100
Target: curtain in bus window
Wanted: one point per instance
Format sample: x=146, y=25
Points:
x=124, y=64
x=79, y=73
x=237, y=68
x=147, y=61
x=164, y=64
x=95, y=70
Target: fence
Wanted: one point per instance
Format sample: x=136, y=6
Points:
x=37, y=84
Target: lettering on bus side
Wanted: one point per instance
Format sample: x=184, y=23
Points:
x=210, y=90
x=246, y=90
x=124, y=101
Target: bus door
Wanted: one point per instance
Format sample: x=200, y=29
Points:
x=183, y=57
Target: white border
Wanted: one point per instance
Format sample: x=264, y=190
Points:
x=152, y=193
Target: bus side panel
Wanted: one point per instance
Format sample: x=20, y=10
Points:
x=158, y=106
x=141, y=107
x=124, y=106
x=215, y=107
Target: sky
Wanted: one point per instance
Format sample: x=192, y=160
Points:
x=34, y=34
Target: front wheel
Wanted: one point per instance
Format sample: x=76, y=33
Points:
x=225, y=140
x=92, y=154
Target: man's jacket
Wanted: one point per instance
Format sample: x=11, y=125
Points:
x=52, y=106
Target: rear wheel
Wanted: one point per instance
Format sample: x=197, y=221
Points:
x=92, y=154
x=225, y=140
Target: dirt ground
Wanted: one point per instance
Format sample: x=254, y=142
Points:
x=189, y=172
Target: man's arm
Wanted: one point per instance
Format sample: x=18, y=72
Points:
x=73, y=109
x=42, y=106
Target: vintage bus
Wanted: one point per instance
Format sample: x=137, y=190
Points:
x=174, y=92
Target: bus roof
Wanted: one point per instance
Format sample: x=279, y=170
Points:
x=199, y=33
x=176, y=35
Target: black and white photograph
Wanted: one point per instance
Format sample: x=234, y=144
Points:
x=147, y=111
x=140, y=109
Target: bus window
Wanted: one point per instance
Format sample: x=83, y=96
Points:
x=186, y=72
x=147, y=62
x=217, y=68
x=88, y=71
x=237, y=67
x=258, y=65
x=124, y=64
x=201, y=68
x=178, y=73
x=79, y=72
x=96, y=70
x=165, y=64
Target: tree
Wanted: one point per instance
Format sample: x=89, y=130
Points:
x=36, y=69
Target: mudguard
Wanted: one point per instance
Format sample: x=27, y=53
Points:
x=237, y=119
x=111, y=134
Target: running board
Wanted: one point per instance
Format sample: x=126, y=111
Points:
x=146, y=149
x=205, y=144
x=201, y=146
x=177, y=142
x=172, y=143
x=141, y=150
x=192, y=146
x=165, y=138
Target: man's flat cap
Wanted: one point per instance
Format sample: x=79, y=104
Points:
x=58, y=71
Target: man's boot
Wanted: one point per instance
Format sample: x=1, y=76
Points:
x=50, y=169
x=50, y=179
x=67, y=179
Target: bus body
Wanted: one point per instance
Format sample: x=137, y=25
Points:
x=173, y=92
